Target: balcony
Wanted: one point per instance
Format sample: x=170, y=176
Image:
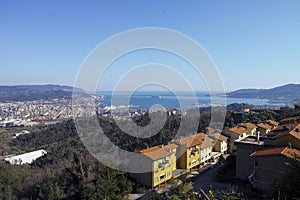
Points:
x=194, y=152
x=163, y=164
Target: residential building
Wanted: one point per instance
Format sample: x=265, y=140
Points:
x=264, y=128
x=206, y=147
x=251, y=128
x=290, y=120
x=158, y=162
x=221, y=143
x=188, y=153
x=272, y=123
x=288, y=138
x=234, y=133
x=245, y=147
x=269, y=164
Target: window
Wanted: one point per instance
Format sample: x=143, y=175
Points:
x=156, y=179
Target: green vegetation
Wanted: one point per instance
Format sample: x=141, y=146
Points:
x=287, y=187
x=226, y=174
x=68, y=171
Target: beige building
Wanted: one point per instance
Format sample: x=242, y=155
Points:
x=273, y=123
x=221, y=144
x=264, y=128
x=245, y=147
x=269, y=164
x=288, y=138
x=206, y=148
x=251, y=128
x=235, y=133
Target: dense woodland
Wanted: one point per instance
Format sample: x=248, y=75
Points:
x=68, y=171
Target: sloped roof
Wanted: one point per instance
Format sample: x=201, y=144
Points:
x=190, y=141
x=220, y=137
x=250, y=125
x=272, y=122
x=238, y=130
x=290, y=119
x=264, y=126
x=170, y=146
x=208, y=142
x=286, y=151
x=155, y=153
x=295, y=132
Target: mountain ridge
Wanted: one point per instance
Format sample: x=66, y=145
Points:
x=35, y=92
x=289, y=93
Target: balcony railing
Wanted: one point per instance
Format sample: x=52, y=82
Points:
x=163, y=164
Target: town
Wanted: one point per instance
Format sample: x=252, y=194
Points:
x=261, y=149
x=261, y=152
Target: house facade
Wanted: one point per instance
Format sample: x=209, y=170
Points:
x=233, y=134
x=221, y=144
x=244, y=148
x=159, y=163
x=264, y=128
x=251, y=128
x=269, y=164
x=188, y=153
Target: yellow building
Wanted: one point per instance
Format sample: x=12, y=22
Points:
x=188, y=153
x=161, y=162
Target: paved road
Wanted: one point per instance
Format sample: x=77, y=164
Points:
x=207, y=178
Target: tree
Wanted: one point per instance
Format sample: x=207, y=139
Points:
x=287, y=187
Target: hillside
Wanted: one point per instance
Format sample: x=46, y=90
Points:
x=289, y=93
x=34, y=92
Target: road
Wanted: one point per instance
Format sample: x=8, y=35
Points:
x=207, y=178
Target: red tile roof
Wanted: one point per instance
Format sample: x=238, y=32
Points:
x=190, y=141
x=290, y=119
x=250, y=125
x=295, y=132
x=219, y=137
x=286, y=151
x=238, y=130
x=272, y=122
x=155, y=153
x=264, y=126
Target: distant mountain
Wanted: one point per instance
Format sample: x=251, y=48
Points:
x=289, y=93
x=35, y=92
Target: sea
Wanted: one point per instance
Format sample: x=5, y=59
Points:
x=166, y=99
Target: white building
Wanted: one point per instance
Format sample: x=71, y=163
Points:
x=26, y=158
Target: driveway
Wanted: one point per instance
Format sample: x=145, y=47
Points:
x=207, y=178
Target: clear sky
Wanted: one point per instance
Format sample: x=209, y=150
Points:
x=254, y=43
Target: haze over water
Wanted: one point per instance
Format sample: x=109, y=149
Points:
x=146, y=99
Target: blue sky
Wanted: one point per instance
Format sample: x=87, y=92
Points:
x=255, y=44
